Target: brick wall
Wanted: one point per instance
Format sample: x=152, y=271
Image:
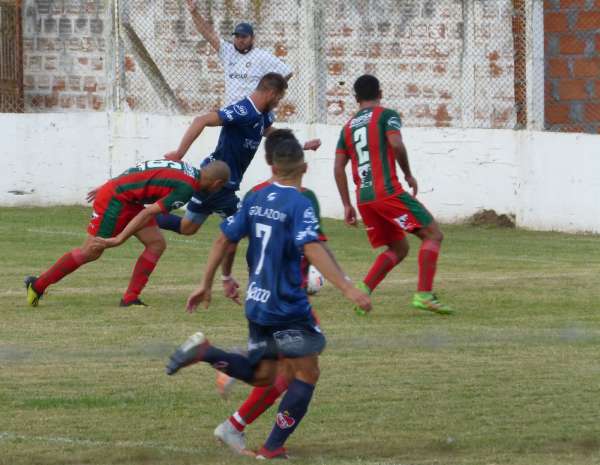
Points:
x=572, y=63
x=65, y=54
x=418, y=50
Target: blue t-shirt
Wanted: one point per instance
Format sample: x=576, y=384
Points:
x=278, y=221
x=242, y=131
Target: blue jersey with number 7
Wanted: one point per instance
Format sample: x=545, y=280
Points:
x=278, y=222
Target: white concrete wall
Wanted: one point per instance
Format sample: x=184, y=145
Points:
x=550, y=181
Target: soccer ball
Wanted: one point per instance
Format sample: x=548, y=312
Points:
x=315, y=281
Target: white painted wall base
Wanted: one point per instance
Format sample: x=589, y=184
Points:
x=550, y=181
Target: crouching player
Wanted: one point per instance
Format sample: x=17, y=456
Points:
x=119, y=212
x=280, y=225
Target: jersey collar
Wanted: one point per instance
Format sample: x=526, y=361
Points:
x=284, y=187
x=250, y=99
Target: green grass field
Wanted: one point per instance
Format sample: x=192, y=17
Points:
x=513, y=378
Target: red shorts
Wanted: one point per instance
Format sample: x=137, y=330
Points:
x=111, y=215
x=388, y=220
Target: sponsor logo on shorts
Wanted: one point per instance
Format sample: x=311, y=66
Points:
x=284, y=420
x=258, y=294
x=404, y=223
x=177, y=204
x=256, y=345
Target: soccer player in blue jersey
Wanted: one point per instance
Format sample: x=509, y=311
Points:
x=243, y=126
x=281, y=226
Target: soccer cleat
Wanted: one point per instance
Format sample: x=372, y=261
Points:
x=33, y=296
x=362, y=287
x=190, y=352
x=224, y=383
x=266, y=454
x=231, y=437
x=428, y=301
x=132, y=303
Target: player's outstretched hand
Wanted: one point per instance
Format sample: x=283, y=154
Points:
x=312, y=144
x=350, y=216
x=173, y=156
x=412, y=182
x=101, y=243
x=359, y=298
x=91, y=195
x=231, y=289
x=202, y=294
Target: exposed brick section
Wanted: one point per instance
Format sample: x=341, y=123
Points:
x=586, y=67
x=558, y=67
x=558, y=114
x=571, y=45
x=65, y=54
x=588, y=21
x=556, y=22
x=572, y=87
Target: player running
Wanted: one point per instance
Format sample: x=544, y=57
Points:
x=261, y=398
x=280, y=225
x=371, y=140
x=119, y=212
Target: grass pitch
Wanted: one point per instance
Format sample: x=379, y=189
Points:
x=513, y=378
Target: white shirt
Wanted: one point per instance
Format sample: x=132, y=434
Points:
x=244, y=71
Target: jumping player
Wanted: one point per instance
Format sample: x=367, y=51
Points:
x=279, y=223
x=231, y=431
x=371, y=140
x=119, y=212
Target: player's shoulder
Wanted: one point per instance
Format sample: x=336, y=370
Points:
x=390, y=117
x=260, y=186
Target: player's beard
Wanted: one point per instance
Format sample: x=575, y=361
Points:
x=245, y=50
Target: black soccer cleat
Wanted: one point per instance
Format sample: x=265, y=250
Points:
x=132, y=303
x=190, y=352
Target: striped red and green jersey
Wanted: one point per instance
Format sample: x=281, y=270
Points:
x=170, y=183
x=364, y=140
x=310, y=195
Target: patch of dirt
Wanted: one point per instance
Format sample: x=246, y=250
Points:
x=491, y=218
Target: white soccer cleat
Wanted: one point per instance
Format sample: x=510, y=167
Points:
x=231, y=437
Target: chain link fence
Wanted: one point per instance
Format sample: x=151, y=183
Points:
x=447, y=63
x=11, y=66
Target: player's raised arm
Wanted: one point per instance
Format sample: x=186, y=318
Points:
x=192, y=133
x=204, y=27
x=401, y=155
x=326, y=264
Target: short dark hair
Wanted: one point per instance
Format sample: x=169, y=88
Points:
x=288, y=156
x=366, y=87
x=273, y=139
x=273, y=81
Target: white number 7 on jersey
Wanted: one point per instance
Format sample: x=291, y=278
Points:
x=263, y=231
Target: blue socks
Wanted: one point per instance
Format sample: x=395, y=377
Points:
x=292, y=408
x=234, y=365
x=169, y=221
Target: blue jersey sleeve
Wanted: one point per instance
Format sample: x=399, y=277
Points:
x=236, y=226
x=236, y=114
x=305, y=224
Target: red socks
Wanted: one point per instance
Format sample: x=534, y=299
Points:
x=259, y=400
x=381, y=267
x=141, y=272
x=65, y=265
x=428, y=256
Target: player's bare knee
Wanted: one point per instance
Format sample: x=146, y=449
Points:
x=188, y=228
x=158, y=246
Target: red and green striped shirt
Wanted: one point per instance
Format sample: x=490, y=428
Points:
x=170, y=183
x=364, y=140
